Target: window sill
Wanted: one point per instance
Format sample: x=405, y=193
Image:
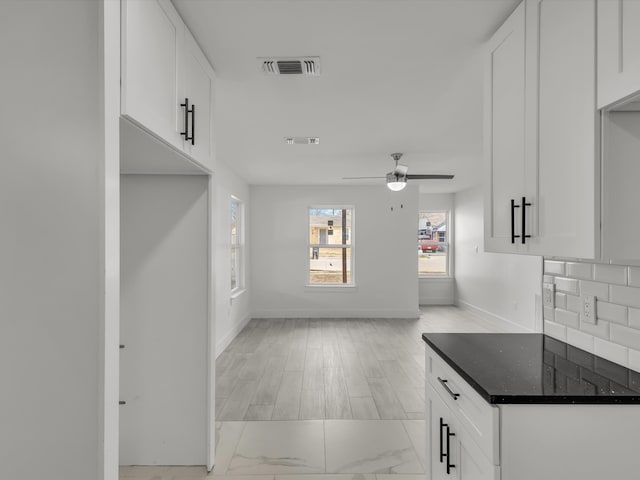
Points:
x=435, y=276
x=237, y=293
x=331, y=288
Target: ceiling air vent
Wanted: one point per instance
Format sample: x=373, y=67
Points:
x=302, y=140
x=291, y=66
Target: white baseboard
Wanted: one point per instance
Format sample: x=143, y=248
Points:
x=491, y=320
x=438, y=301
x=233, y=333
x=403, y=314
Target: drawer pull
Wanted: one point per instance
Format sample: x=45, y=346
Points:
x=446, y=387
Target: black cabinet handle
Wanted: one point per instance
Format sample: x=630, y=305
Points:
x=122, y=402
x=442, y=454
x=188, y=111
x=446, y=454
x=524, y=204
x=513, y=221
x=446, y=387
x=449, y=464
x=193, y=125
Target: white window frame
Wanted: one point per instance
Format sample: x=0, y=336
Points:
x=239, y=247
x=448, y=243
x=350, y=246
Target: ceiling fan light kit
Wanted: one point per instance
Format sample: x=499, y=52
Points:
x=396, y=182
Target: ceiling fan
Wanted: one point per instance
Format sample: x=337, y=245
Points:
x=397, y=179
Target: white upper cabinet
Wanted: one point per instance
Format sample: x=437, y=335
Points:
x=198, y=87
x=167, y=83
x=618, y=50
x=505, y=133
x=541, y=132
x=568, y=130
x=152, y=33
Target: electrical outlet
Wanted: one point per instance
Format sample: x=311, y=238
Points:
x=589, y=308
x=548, y=295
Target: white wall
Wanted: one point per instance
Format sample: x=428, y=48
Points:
x=164, y=319
x=53, y=173
x=499, y=287
x=439, y=290
x=232, y=314
x=384, y=253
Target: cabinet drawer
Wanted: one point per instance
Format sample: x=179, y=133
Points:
x=478, y=417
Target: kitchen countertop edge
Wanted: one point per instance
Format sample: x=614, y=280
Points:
x=541, y=399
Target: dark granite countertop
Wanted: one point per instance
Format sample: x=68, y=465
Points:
x=534, y=368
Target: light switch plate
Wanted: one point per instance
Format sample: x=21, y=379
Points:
x=548, y=295
x=589, y=308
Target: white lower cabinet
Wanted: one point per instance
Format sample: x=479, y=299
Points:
x=454, y=454
x=481, y=441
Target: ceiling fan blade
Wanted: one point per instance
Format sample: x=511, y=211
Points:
x=400, y=170
x=359, y=178
x=430, y=177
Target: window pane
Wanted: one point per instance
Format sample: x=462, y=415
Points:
x=433, y=243
x=234, y=268
x=234, y=222
x=329, y=266
x=433, y=263
x=328, y=226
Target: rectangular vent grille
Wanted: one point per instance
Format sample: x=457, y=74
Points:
x=302, y=140
x=291, y=66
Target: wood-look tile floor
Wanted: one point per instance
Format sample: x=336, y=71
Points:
x=315, y=369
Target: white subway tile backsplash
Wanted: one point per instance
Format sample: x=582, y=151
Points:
x=634, y=277
x=616, y=333
x=555, y=330
x=574, y=303
x=625, y=295
x=611, y=351
x=565, y=317
x=561, y=300
x=610, y=274
x=599, y=329
x=612, y=312
x=634, y=360
x=553, y=268
x=628, y=337
x=600, y=290
x=580, y=339
x=583, y=271
x=567, y=285
x=634, y=318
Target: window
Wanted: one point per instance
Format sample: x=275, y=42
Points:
x=433, y=243
x=331, y=246
x=237, y=246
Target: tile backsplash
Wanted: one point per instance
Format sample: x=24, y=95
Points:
x=616, y=333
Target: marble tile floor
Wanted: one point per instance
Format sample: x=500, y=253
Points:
x=307, y=450
x=322, y=399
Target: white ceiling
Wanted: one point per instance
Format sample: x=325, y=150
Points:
x=397, y=76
